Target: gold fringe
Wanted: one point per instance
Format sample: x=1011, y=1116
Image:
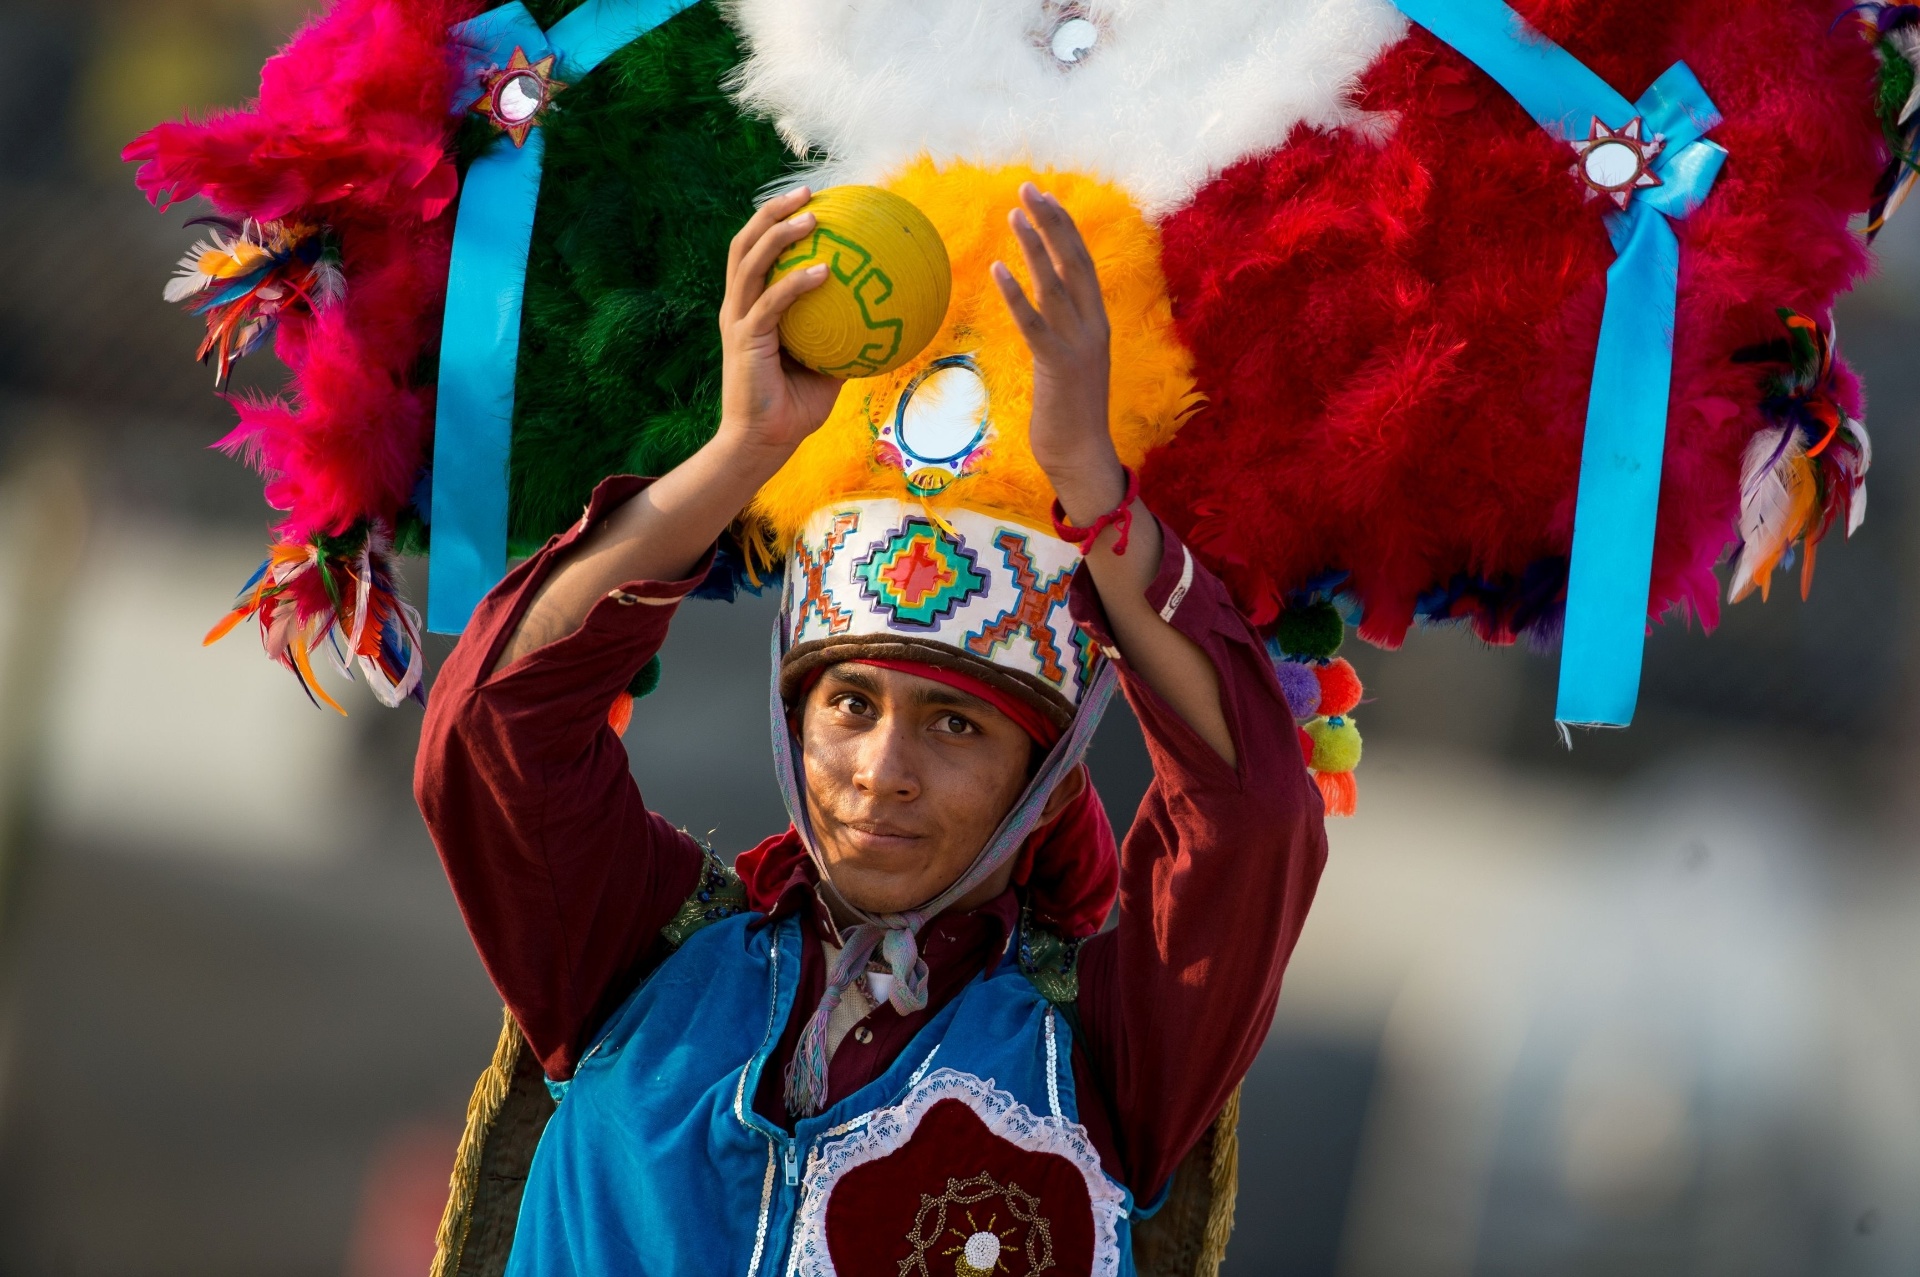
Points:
x=489, y=1096
x=1226, y=1187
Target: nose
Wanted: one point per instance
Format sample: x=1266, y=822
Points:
x=883, y=764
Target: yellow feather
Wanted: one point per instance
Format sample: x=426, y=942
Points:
x=1793, y=511
x=305, y=665
x=1152, y=383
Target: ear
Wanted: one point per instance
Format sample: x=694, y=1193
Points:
x=1070, y=788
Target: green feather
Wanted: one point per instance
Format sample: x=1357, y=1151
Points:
x=650, y=169
x=1896, y=86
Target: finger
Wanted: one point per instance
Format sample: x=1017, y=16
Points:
x=751, y=280
x=764, y=318
x=1049, y=294
x=1066, y=248
x=750, y=276
x=1032, y=325
x=774, y=210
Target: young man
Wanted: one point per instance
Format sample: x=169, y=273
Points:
x=868, y=1067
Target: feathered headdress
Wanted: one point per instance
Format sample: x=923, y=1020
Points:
x=1380, y=272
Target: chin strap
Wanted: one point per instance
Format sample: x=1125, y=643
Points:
x=895, y=936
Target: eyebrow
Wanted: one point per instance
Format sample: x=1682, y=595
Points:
x=852, y=676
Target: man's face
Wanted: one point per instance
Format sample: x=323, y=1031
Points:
x=906, y=780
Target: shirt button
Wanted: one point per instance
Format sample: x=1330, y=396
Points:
x=862, y=1034
x=623, y=598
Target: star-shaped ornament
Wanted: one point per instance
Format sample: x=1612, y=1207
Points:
x=513, y=96
x=1616, y=163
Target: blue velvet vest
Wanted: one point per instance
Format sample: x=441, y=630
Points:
x=963, y=1158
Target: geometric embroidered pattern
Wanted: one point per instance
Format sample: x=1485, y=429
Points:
x=917, y=576
x=892, y=571
x=818, y=599
x=1031, y=614
x=1086, y=655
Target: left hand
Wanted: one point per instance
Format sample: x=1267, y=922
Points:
x=1065, y=328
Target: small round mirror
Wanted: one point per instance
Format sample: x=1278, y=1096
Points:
x=519, y=98
x=1612, y=165
x=1074, y=39
x=943, y=414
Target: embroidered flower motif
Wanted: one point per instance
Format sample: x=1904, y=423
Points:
x=979, y=1249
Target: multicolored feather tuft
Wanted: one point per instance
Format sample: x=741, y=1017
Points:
x=335, y=595
x=249, y=274
x=1804, y=472
x=1894, y=32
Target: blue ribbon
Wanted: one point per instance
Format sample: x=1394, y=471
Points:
x=1609, y=580
x=486, y=282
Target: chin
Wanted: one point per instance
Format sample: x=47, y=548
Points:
x=877, y=893
x=866, y=881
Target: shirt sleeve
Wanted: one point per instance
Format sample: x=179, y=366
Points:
x=1217, y=873
x=562, y=874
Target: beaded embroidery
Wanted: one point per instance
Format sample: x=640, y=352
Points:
x=720, y=894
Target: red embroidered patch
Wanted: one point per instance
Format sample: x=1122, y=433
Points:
x=958, y=1199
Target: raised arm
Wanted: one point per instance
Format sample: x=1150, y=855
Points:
x=1216, y=875
x=768, y=405
x=564, y=877
x=1065, y=327
x=1223, y=857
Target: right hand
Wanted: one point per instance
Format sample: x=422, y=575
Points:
x=768, y=401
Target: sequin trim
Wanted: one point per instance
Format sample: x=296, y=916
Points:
x=766, y=1210
x=1053, y=1068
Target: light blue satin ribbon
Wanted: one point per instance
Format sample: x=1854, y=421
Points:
x=486, y=282
x=1619, y=497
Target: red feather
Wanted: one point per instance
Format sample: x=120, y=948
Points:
x=1395, y=339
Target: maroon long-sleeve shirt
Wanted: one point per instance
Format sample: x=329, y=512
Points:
x=565, y=878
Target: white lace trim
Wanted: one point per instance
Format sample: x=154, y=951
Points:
x=891, y=1128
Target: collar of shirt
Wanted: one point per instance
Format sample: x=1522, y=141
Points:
x=977, y=934
x=955, y=946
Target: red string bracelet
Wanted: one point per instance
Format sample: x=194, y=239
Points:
x=1121, y=517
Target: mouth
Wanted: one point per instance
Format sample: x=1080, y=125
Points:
x=878, y=836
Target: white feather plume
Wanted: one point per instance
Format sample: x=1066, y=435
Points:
x=1770, y=471
x=1171, y=93
x=189, y=280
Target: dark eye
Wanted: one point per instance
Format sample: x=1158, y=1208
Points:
x=957, y=725
x=853, y=703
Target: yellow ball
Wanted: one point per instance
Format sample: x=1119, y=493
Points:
x=887, y=285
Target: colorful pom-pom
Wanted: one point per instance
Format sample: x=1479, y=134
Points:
x=1339, y=792
x=1313, y=632
x=620, y=714
x=1300, y=686
x=1336, y=744
x=646, y=680
x=1340, y=688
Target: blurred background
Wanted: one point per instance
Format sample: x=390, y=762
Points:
x=1643, y=1007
